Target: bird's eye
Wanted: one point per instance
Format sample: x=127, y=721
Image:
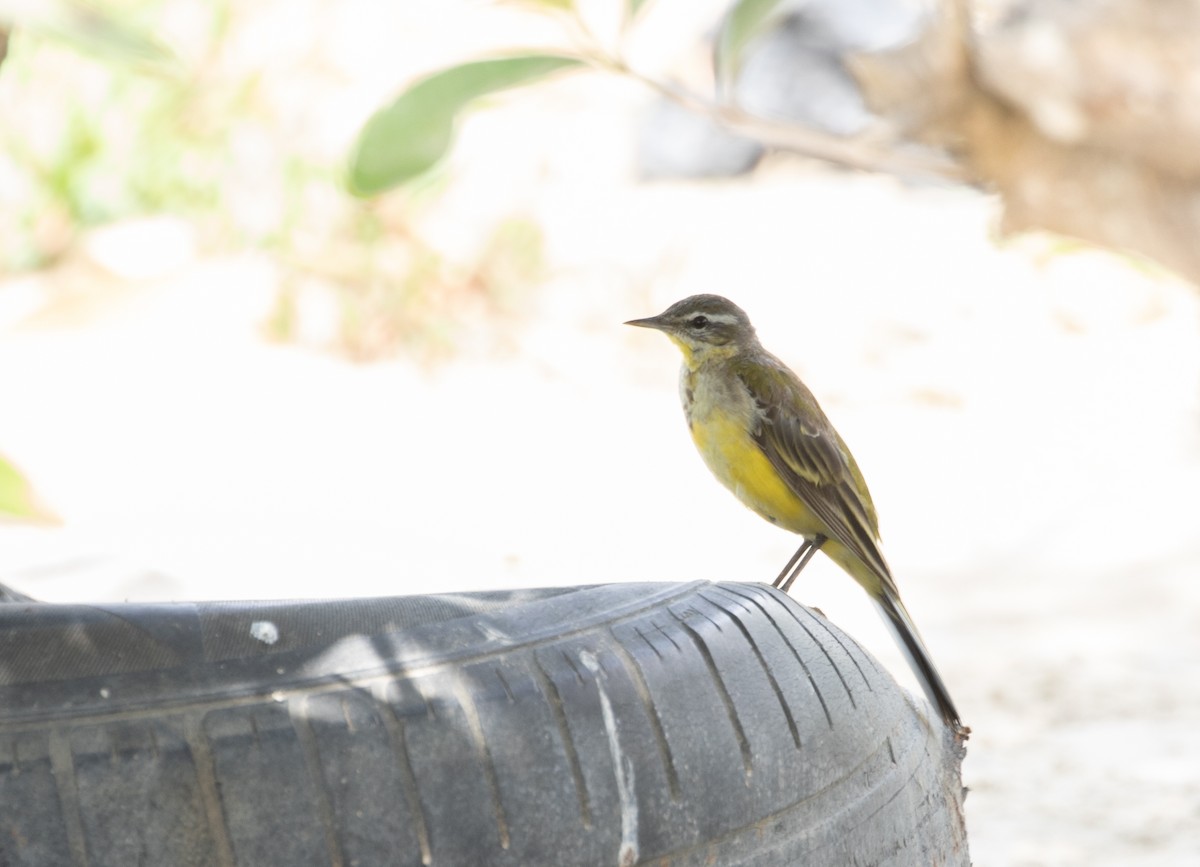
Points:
x=699, y=322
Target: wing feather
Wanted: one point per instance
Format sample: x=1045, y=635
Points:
x=807, y=452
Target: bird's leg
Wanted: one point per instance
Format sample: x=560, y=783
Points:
x=814, y=547
x=790, y=563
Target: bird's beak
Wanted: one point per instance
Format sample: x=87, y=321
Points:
x=651, y=322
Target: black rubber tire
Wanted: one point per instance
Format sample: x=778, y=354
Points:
x=618, y=724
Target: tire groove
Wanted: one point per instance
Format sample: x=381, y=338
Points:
x=812, y=681
x=824, y=625
x=206, y=780
x=900, y=790
x=647, y=641
x=484, y=753
x=554, y=699
x=62, y=763
x=575, y=668
x=638, y=678
x=346, y=717
x=666, y=634
x=762, y=661
x=824, y=650
x=685, y=853
x=735, y=721
x=716, y=625
x=302, y=726
x=394, y=726
x=508, y=691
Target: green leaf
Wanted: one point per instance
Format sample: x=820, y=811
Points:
x=744, y=21
x=407, y=138
x=635, y=6
x=17, y=499
x=93, y=30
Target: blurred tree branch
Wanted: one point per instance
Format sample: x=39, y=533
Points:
x=1083, y=115
x=91, y=28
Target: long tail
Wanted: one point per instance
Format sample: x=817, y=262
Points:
x=896, y=616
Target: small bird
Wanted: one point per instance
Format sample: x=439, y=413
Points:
x=763, y=435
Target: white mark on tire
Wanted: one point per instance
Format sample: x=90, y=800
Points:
x=627, y=855
x=265, y=631
x=493, y=633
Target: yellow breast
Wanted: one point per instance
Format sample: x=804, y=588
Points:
x=720, y=421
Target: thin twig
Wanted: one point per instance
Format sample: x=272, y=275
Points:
x=867, y=153
x=858, y=153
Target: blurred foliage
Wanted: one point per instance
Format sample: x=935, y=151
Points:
x=745, y=20
x=407, y=138
x=17, y=499
x=201, y=121
x=393, y=290
x=116, y=125
x=404, y=140
x=99, y=141
x=92, y=29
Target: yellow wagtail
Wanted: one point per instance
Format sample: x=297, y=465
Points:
x=764, y=437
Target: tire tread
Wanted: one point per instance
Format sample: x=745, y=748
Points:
x=656, y=724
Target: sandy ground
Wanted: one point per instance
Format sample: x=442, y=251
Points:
x=1026, y=414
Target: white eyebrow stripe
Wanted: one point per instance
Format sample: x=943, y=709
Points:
x=721, y=318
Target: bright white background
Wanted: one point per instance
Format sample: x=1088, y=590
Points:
x=1025, y=411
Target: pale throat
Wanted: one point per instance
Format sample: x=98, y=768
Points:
x=695, y=357
x=706, y=390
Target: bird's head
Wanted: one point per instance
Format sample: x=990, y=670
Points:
x=704, y=327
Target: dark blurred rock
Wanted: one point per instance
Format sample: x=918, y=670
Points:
x=676, y=142
x=795, y=73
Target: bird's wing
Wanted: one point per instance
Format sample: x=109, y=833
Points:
x=808, y=454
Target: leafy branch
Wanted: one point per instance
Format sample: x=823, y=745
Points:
x=408, y=137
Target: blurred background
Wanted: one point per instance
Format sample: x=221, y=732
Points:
x=224, y=376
